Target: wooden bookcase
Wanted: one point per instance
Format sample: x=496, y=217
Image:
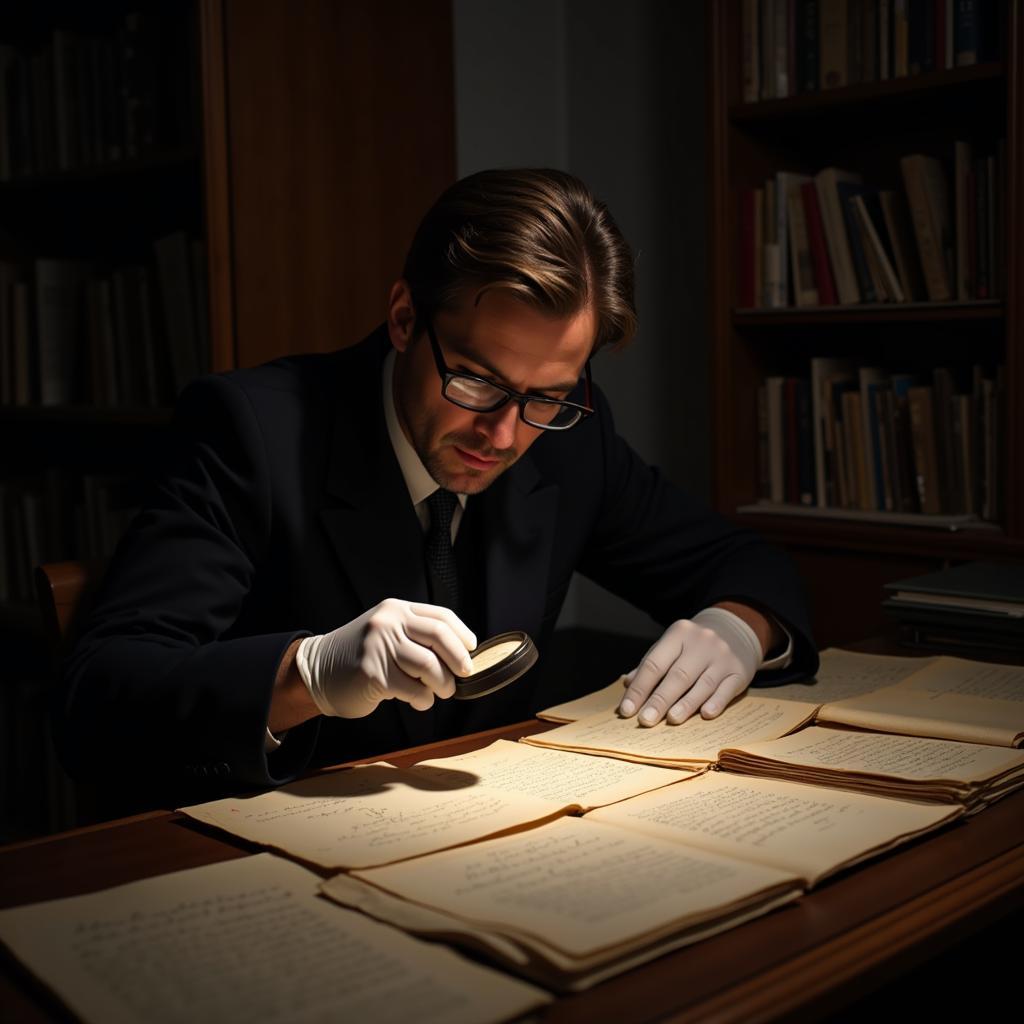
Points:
x=308, y=138
x=863, y=127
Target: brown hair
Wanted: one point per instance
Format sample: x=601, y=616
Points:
x=540, y=233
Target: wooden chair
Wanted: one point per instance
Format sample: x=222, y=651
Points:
x=62, y=591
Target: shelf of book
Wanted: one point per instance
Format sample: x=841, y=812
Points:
x=956, y=542
x=866, y=286
x=917, y=312
x=868, y=94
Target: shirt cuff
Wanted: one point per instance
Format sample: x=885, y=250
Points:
x=271, y=742
x=783, y=659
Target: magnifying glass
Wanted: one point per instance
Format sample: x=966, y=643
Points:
x=496, y=663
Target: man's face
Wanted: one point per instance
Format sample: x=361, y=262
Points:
x=500, y=339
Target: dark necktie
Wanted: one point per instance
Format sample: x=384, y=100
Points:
x=440, y=556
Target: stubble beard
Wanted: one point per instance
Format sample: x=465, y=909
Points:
x=467, y=480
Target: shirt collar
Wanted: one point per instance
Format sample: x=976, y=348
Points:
x=420, y=483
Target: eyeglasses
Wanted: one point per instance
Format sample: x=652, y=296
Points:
x=471, y=392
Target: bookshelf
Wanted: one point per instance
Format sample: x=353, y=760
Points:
x=226, y=183
x=844, y=550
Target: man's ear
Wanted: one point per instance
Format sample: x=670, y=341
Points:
x=401, y=316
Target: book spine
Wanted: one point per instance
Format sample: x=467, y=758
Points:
x=792, y=437
x=805, y=292
x=929, y=245
x=805, y=443
x=835, y=234
x=808, y=47
x=962, y=170
x=776, y=438
x=900, y=39
x=922, y=425
x=855, y=41
x=833, y=48
x=884, y=40
x=749, y=39
x=747, y=212
x=818, y=246
x=965, y=33
x=865, y=284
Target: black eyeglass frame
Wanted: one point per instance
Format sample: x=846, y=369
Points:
x=518, y=397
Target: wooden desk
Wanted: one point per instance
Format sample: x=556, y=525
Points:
x=854, y=933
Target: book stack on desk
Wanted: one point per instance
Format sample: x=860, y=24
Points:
x=975, y=606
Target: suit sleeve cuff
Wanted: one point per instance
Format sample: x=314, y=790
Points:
x=784, y=657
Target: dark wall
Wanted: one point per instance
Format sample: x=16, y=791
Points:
x=613, y=92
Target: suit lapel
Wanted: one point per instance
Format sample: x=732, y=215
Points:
x=369, y=517
x=519, y=530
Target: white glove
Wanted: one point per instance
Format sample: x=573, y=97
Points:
x=703, y=662
x=395, y=650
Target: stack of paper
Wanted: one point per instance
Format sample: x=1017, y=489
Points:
x=907, y=767
x=569, y=903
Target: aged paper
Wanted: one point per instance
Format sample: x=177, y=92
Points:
x=845, y=674
x=695, y=741
x=952, y=698
x=607, y=698
x=794, y=827
x=582, y=886
x=374, y=814
x=916, y=767
x=557, y=775
x=842, y=674
x=528, y=954
x=243, y=942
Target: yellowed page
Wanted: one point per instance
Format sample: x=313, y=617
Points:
x=888, y=756
x=953, y=698
x=243, y=942
x=581, y=886
x=847, y=674
x=809, y=830
x=607, y=698
x=529, y=956
x=373, y=814
x=418, y=919
x=557, y=775
x=696, y=740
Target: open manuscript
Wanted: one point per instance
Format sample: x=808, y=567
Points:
x=950, y=698
x=242, y=942
x=375, y=814
x=842, y=674
x=571, y=902
x=693, y=744
x=575, y=901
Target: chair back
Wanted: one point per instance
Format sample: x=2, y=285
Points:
x=62, y=590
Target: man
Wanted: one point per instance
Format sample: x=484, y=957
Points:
x=337, y=531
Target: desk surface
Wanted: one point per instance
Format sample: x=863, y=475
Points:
x=837, y=942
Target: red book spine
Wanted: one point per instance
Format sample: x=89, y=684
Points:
x=819, y=248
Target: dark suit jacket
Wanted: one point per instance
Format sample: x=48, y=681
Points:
x=284, y=513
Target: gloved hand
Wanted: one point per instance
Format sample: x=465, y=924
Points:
x=396, y=650
x=703, y=662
